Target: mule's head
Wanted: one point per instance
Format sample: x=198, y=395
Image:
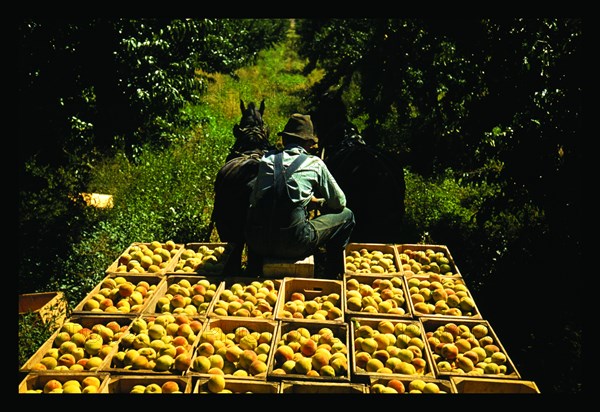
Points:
x=251, y=134
x=252, y=116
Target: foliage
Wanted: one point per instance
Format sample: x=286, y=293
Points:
x=33, y=332
x=486, y=114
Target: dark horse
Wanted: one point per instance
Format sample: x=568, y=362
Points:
x=372, y=178
x=232, y=189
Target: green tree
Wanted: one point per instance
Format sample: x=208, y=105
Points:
x=93, y=87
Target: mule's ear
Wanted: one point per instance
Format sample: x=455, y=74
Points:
x=262, y=107
x=242, y=106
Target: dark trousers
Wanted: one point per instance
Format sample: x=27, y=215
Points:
x=330, y=230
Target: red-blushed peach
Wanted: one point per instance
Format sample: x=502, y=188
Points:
x=449, y=351
x=257, y=368
x=308, y=347
x=196, y=326
x=183, y=362
x=491, y=349
x=282, y=354
x=170, y=387
x=361, y=358
x=453, y=312
x=472, y=355
x=396, y=384
x=320, y=359
x=298, y=296
x=52, y=385
x=140, y=362
x=465, y=363
x=420, y=364
x=246, y=358
x=126, y=289
x=381, y=354
x=66, y=359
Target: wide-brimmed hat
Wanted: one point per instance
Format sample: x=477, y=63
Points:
x=300, y=126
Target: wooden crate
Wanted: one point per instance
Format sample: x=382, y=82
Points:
x=134, y=341
x=186, y=263
x=125, y=383
x=430, y=325
x=115, y=266
x=388, y=249
x=50, y=307
x=464, y=384
x=166, y=292
x=402, y=249
x=153, y=280
x=34, y=382
x=359, y=371
x=317, y=290
x=304, y=387
x=238, y=386
x=418, y=311
x=337, y=331
x=372, y=281
x=87, y=321
x=220, y=327
x=237, y=288
x=280, y=268
x=445, y=386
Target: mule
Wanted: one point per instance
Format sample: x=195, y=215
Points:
x=373, y=181
x=232, y=184
x=371, y=178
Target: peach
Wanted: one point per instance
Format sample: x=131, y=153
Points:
x=246, y=358
x=282, y=354
x=170, y=387
x=397, y=385
x=308, y=347
x=257, y=367
x=449, y=351
x=183, y=362
x=361, y=358
x=374, y=365
x=320, y=359
x=201, y=364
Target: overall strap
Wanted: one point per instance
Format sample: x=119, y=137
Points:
x=282, y=174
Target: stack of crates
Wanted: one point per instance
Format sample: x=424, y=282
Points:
x=401, y=320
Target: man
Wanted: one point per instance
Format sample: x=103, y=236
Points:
x=291, y=182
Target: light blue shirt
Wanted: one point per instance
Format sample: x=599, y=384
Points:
x=312, y=178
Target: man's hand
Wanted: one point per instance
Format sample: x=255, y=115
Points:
x=315, y=204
